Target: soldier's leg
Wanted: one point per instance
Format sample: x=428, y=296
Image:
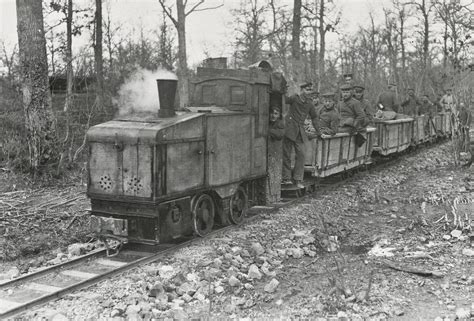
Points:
x=298, y=172
x=287, y=148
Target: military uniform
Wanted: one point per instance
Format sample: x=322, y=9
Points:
x=295, y=135
x=328, y=119
x=388, y=99
x=276, y=130
x=352, y=114
x=367, y=107
x=411, y=106
x=427, y=108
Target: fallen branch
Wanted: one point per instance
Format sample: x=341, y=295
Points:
x=412, y=269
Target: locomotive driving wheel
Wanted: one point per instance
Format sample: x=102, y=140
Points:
x=203, y=214
x=238, y=206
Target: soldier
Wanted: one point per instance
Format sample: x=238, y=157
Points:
x=411, y=104
x=448, y=101
x=295, y=136
x=276, y=129
x=426, y=107
x=368, y=109
x=388, y=99
x=353, y=118
x=328, y=119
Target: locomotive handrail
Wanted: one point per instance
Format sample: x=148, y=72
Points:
x=223, y=78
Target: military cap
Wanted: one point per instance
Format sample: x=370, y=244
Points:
x=346, y=87
x=411, y=89
x=347, y=74
x=360, y=87
x=328, y=94
x=392, y=84
x=306, y=85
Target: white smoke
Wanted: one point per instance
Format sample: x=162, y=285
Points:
x=139, y=93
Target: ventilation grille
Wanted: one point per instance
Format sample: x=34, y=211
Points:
x=134, y=184
x=105, y=183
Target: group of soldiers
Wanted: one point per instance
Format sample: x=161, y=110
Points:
x=351, y=114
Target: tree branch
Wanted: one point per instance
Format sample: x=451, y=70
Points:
x=195, y=8
x=167, y=11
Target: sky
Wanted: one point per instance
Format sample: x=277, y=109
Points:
x=207, y=31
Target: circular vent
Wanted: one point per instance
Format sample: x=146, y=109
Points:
x=134, y=184
x=105, y=182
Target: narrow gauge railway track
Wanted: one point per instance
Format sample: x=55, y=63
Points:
x=23, y=293
x=19, y=295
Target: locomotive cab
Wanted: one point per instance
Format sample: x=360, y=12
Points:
x=156, y=177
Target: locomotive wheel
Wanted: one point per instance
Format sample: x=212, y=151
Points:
x=203, y=215
x=238, y=206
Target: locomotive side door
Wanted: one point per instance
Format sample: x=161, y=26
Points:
x=228, y=148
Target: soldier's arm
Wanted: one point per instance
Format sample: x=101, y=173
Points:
x=289, y=99
x=360, y=120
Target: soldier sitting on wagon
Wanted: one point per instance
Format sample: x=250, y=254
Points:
x=388, y=99
x=427, y=107
x=301, y=106
x=411, y=104
x=368, y=109
x=353, y=118
x=328, y=118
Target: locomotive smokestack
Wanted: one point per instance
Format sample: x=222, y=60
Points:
x=166, y=95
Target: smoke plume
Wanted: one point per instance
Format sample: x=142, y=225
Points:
x=139, y=93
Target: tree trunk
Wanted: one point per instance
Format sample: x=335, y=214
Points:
x=69, y=71
x=39, y=119
x=99, y=64
x=182, y=57
x=322, y=40
x=295, y=42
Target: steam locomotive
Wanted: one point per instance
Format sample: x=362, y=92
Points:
x=157, y=177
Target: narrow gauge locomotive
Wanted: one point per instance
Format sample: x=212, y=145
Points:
x=158, y=177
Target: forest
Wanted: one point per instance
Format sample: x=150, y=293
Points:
x=45, y=111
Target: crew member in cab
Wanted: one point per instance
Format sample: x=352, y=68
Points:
x=328, y=118
x=301, y=106
x=276, y=128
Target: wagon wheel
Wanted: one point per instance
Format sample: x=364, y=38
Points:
x=238, y=206
x=203, y=214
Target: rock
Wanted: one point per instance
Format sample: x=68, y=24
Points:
x=257, y=248
x=132, y=310
x=468, y=252
x=192, y=277
x=166, y=271
x=59, y=317
x=248, y=286
x=76, y=249
x=186, y=297
x=451, y=307
x=156, y=289
x=115, y=313
x=266, y=270
x=186, y=288
x=399, y=312
x=219, y=289
x=296, y=253
x=446, y=237
x=179, y=314
x=456, y=233
x=271, y=287
x=341, y=314
x=254, y=272
x=199, y=296
x=217, y=262
x=233, y=281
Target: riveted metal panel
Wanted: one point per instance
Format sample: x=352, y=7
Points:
x=185, y=166
x=137, y=170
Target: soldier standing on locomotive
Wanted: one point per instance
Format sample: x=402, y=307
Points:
x=328, y=119
x=301, y=106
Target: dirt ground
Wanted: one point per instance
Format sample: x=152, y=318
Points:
x=390, y=243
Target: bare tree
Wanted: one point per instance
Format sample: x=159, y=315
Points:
x=99, y=64
x=295, y=41
x=39, y=118
x=183, y=10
